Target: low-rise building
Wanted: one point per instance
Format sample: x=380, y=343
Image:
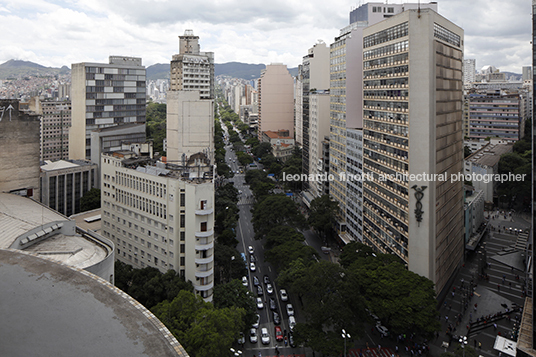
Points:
x=282, y=143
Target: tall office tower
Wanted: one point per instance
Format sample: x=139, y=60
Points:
x=469, y=71
x=412, y=131
x=55, y=123
x=527, y=73
x=192, y=69
x=495, y=114
x=104, y=95
x=315, y=77
x=276, y=100
x=346, y=94
x=19, y=150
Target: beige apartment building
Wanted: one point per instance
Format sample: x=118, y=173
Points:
x=276, y=99
x=412, y=125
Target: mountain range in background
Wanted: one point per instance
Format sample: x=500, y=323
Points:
x=17, y=68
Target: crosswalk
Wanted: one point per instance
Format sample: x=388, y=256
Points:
x=371, y=352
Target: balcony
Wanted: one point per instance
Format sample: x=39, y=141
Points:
x=206, y=260
x=204, y=212
x=204, y=244
x=205, y=273
x=204, y=287
x=204, y=234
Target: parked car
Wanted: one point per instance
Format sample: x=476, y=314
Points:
x=253, y=335
x=265, y=337
x=290, y=310
x=277, y=318
x=283, y=295
x=291, y=340
x=242, y=339
x=278, y=334
x=260, y=305
x=257, y=322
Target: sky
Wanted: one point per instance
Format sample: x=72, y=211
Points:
x=54, y=33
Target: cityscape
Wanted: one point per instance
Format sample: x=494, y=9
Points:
x=367, y=195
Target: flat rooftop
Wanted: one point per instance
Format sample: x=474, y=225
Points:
x=490, y=154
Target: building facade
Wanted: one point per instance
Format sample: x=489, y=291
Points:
x=19, y=150
x=104, y=95
x=318, y=129
x=55, y=123
x=469, y=71
x=192, y=69
x=413, y=88
x=495, y=114
x=63, y=183
x=276, y=99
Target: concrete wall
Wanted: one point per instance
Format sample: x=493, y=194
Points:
x=19, y=149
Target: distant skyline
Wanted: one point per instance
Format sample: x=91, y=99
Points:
x=62, y=32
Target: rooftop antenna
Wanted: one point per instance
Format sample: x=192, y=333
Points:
x=419, y=9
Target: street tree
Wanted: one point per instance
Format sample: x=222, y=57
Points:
x=235, y=294
x=283, y=254
x=90, y=200
x=276, y=210
x=322, y=214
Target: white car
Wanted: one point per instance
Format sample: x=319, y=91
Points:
x=251, y=250
x=382, y=330
x=244, y=281
x=291, y=322
x=269, y=289
x=252, y=266
x=265, y=337
x=260, y=305
x=290, y=310
x=253, y=335
x=256, y=324
x=283, y=294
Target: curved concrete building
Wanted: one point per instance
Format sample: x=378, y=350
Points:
x=53, y=309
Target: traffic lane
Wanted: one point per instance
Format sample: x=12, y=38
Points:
x=313, y=240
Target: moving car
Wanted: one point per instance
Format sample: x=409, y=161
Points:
x=252, y=266
x=260, y=305
x=251, y=250
x=259, y=290
x=291, y=322
x=291, y=340
x=277, y=318
x=244, y=281
x=272, y=304
x=283, y=295
x=255, y=281
x=265, y=337
x=290, y=310
x=269, y=289
x=278, y=334
x=266, y=279
x=382, y=330
x=253, y=335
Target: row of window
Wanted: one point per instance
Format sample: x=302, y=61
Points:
x=389, y=34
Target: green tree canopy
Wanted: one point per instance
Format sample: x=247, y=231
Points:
x=276, y=210
x=235, y=294
x=322, y=214
x=90, y=200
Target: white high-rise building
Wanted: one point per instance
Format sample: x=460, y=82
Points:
x=161, y=213
x=469, y=71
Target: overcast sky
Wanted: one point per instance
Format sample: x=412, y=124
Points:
x=61, y=32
